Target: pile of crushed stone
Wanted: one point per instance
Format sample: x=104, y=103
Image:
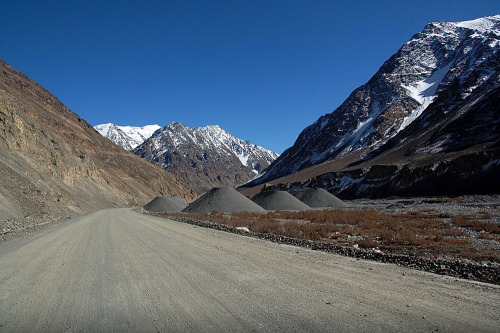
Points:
x=279, y=200
x=166, y=204
x=318, y=198
x=225, y=199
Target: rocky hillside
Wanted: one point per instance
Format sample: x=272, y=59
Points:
x=205, y=157
x=447, y=62
x=127, y=137
x=53, y=163
x=431, y=109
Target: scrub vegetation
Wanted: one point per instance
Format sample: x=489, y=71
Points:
x=425, y=232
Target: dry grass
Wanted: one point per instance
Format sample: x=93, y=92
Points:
x=422, y=231
x=489, y=237
x=485, y=215
x=480, y=255
x=441, y=200
x=469, y=222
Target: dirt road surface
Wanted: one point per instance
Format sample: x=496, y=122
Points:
x=116, y=270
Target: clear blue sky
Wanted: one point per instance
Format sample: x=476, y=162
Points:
x=263, y=70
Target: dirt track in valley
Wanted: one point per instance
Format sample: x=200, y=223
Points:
x=116, y=270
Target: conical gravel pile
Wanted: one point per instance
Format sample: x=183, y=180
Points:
x=318, y=198
x=279, y=200
x=166, y=204
x=225, y=199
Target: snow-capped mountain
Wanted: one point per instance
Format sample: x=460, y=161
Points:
x=128, y=137
x=432, y=77
x=206, y=156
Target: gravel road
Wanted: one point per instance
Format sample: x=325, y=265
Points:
x=116, y=270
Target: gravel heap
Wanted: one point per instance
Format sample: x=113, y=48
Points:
x=166, y=204
x=225, y=199
x=318, y=198
x=279, y=200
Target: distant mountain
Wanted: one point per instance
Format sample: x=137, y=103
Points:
x=127, y=137
x=206, y=156
x=434, y=100
x=54, y=164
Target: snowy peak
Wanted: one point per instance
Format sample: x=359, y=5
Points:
x=206, y=156
x=212, y=137
x=483, y=25
x=127, y=137
x=458, y=60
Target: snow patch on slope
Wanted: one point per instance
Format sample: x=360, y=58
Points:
x=103, y=129
x=486, y=24
x=424, y=92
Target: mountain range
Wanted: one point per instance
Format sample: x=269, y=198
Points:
x=431, y=112
x=205, y=157
x=202, y=157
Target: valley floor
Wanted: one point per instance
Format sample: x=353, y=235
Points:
x=116, y=270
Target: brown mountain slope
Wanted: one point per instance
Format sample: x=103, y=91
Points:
x=53, y=163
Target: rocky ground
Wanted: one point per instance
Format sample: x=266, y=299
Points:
x=469, y=204
x=14, y=228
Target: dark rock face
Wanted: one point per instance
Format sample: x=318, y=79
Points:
x=205, y=157
x=477, y=173
x=439, y=94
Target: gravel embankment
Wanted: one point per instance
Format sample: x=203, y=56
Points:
x=19, y=227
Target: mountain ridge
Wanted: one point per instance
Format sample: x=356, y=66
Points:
x=205, y=157
x=450, y=64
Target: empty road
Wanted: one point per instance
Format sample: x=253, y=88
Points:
x=117, y=270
